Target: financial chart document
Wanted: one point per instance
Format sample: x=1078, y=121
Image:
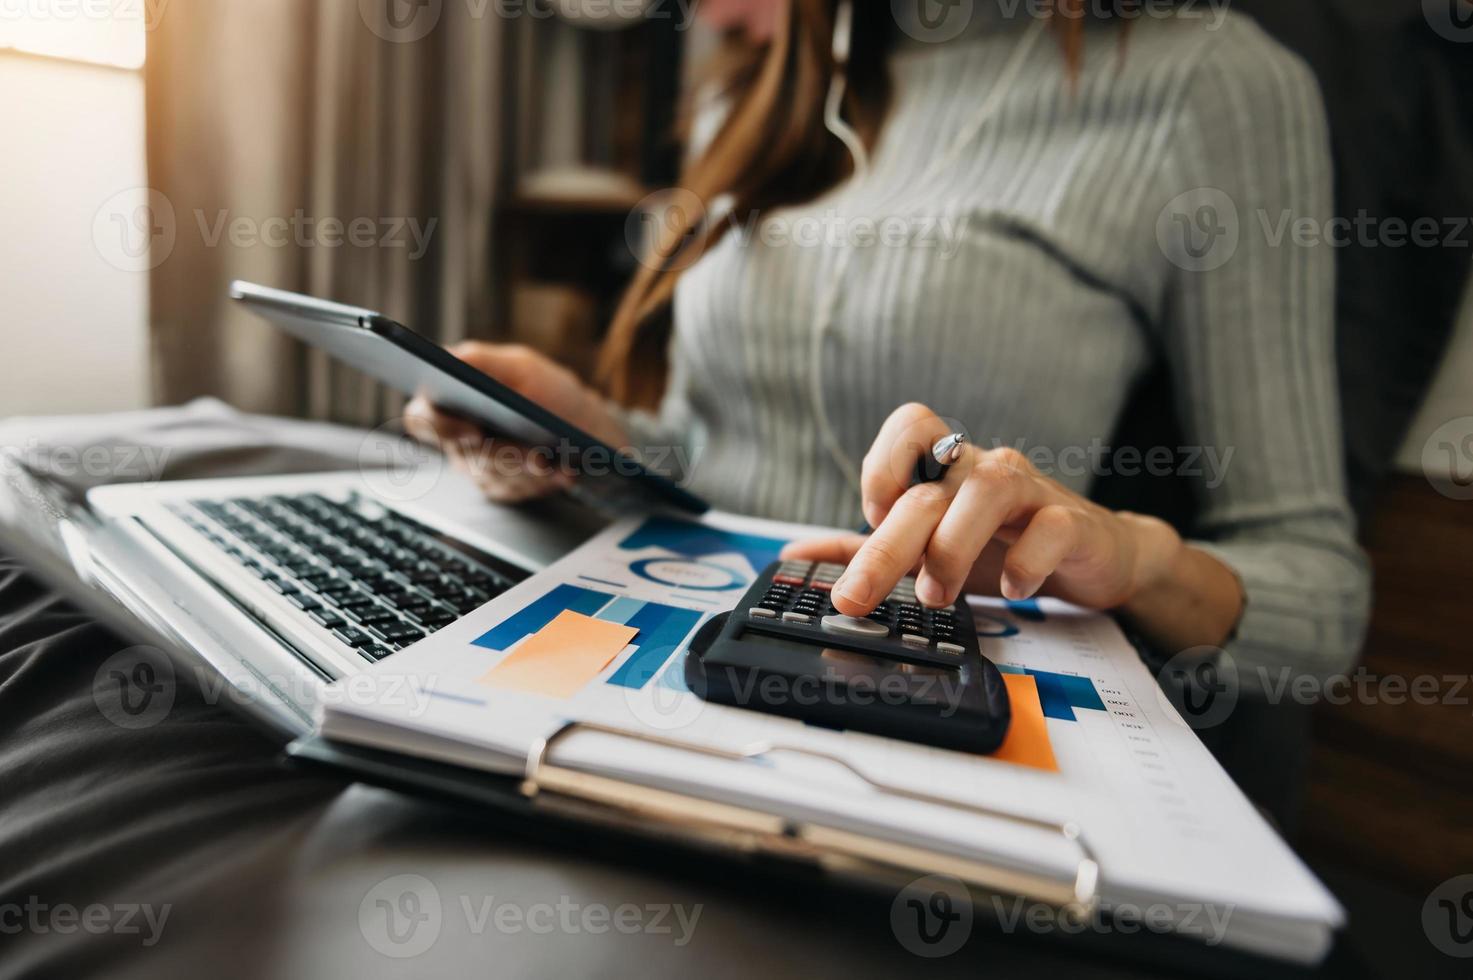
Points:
x=600, y=636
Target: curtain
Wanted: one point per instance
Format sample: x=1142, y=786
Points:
x=352, y=149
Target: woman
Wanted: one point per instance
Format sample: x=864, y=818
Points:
x=1031, y=178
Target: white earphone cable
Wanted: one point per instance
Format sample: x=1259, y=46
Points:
x=829, y=299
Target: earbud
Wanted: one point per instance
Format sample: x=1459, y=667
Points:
x=843, y=30
x=833, y=121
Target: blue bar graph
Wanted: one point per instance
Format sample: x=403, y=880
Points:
x=539, y=613
x=1026, y=609
x=621, y=610
x=662, y=629
x=1060, y=694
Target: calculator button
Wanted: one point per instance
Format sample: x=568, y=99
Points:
x=757, y=612
x=784, y=578
x=797, y=617
x=826, y=586
x=855, y=627
x=912, y=640
x=950, y=648
x=827, y=569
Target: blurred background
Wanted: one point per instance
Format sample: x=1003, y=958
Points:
x=484, y=168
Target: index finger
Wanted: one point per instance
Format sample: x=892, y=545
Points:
x=893, y=550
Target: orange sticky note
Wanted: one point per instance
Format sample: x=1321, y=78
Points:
x=561, y=657
x=1026, y=742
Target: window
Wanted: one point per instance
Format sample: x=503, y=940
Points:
x=73, y=140
x=101, y=32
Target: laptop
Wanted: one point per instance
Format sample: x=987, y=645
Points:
x=277, y=585
x=283, y=585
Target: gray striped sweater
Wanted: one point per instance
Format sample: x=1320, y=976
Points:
x=1076, y=239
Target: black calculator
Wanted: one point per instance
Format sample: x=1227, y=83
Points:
x=904, y=671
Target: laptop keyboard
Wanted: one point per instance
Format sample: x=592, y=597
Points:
x=373, y=578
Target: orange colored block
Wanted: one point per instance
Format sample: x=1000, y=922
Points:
x=1027, y=742
x=563, y=656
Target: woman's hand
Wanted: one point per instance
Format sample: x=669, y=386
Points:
x=506, y=471
x=995, y=525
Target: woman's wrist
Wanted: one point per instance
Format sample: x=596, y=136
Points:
x=1184, y=597
x=1157, y=551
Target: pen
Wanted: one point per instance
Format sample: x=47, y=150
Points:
x=945, y=451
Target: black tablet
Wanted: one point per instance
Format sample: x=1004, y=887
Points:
x=411, y=364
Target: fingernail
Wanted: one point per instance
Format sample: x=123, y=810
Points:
x=853, y=587
x=1017, y=591
x=929, y=591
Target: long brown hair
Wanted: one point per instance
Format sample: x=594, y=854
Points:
x=772, y=150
